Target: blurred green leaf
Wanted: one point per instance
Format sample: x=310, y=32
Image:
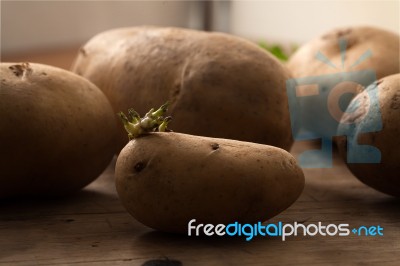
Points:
x=277, y=50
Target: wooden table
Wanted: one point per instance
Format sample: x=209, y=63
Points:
x=92, y=228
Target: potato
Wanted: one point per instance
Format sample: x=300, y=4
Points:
x=383, y=48
x=166, y=179
x=383, y=176
x=57, y=131
x=218, y=85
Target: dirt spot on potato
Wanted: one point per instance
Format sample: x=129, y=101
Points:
x=140, y=166
x=395, y=101
x=215, y=146
x=21, y=69
x=17, y=70
x=337, y=34
x=342, y=33
x=345, y=34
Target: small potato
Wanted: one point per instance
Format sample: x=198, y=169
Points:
x=218, y=85
x=166, y=179
x=57, y=131
x=366, y=49
x=383, y=176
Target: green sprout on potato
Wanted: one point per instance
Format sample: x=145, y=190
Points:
x=153, y=121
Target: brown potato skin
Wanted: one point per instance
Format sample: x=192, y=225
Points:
x=385, y=49
x=384, y=176
x=383, y=44
x=166, y=179
x=218, y=85
x=57, y=131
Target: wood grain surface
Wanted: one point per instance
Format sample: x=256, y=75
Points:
x=92, y=228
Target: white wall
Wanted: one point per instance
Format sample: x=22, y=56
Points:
x=32, y=25
x=300, y=21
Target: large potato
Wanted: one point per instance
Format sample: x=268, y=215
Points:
x=57, y=131
x=374, y=49
x=218, y=85
x=166, y=179
x=383, y=176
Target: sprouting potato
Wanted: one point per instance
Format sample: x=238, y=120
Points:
x=165, y=179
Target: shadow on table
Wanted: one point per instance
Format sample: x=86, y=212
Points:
x=183, y=240
x=29, y=208
x=389, y=204
x=216, y=250
x=349, y=189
